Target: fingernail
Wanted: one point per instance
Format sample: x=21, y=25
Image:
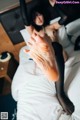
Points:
x=26, y=51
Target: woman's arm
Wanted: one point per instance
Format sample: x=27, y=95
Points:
x=53, y=26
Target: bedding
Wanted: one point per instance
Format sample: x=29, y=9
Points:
x=36, y=96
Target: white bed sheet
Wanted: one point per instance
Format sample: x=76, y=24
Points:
x=72, y=86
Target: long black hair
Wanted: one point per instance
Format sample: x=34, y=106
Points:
x=39, y=9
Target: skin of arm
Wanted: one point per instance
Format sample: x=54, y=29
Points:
x=55, y=25
x=51, y=31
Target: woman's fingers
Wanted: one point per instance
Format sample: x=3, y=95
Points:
x=41, y=62
x=32, y=41
x=34, y=35
x=29, y=44
x=37, y=38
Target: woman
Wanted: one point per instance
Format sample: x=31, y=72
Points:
x=37, y=25
x=67, y=12
x=38, y=21
x=35, y=16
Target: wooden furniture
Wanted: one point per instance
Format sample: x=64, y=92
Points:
x=6, y=44
x=5, y=80
x=7, y=71
x=10, y=25
x=3, y=70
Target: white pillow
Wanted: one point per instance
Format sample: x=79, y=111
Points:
x=73, y=27
x=73, y=59
x=63, y=38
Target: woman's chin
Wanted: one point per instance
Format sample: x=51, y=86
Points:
x=40, y=24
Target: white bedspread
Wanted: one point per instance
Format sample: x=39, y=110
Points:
x=36, y=95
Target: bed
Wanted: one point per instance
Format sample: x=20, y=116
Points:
x=44, y=106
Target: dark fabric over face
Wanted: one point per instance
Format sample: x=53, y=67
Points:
x=29, y=9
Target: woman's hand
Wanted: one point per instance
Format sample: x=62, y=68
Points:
x=42, y=53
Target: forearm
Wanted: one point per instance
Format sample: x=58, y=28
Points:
x=52, y=74
x=53, y=26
